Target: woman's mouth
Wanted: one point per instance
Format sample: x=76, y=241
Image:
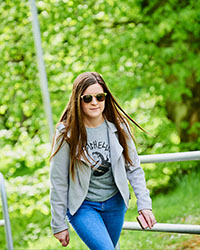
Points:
x=93, y=109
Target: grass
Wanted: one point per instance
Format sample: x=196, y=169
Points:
x=182, y=205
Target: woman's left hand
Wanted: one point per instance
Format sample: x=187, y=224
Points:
x=149, y=217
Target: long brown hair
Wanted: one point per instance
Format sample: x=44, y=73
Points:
x=75, y=133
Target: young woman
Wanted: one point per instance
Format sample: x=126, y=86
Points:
x=93, y=155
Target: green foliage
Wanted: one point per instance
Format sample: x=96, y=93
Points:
x=148, y=53
x=25, y=157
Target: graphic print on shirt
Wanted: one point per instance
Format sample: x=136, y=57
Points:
x=100, y=154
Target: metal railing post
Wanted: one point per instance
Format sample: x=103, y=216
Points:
x=6, y=221
x=41, y=67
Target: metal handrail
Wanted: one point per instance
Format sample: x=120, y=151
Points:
x=6, y=221
x=171, y=157
x=165, y=227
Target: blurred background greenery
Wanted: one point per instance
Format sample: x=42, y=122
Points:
x=148, y=53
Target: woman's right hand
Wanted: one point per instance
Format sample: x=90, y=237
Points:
x=63, y=237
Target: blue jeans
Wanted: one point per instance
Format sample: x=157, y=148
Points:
x=99, y=224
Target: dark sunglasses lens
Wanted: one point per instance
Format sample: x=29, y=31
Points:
x=100, y=97
x=87, y=98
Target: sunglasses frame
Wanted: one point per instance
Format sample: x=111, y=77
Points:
x=82, y=97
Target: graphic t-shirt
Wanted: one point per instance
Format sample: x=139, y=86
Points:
x=102, y=185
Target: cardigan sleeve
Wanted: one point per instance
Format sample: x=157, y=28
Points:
x=136, y=177
x=59, y=170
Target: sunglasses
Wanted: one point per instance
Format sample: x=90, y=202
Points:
x=100, y=97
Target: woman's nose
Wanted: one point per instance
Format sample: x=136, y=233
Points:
x=94, y=100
